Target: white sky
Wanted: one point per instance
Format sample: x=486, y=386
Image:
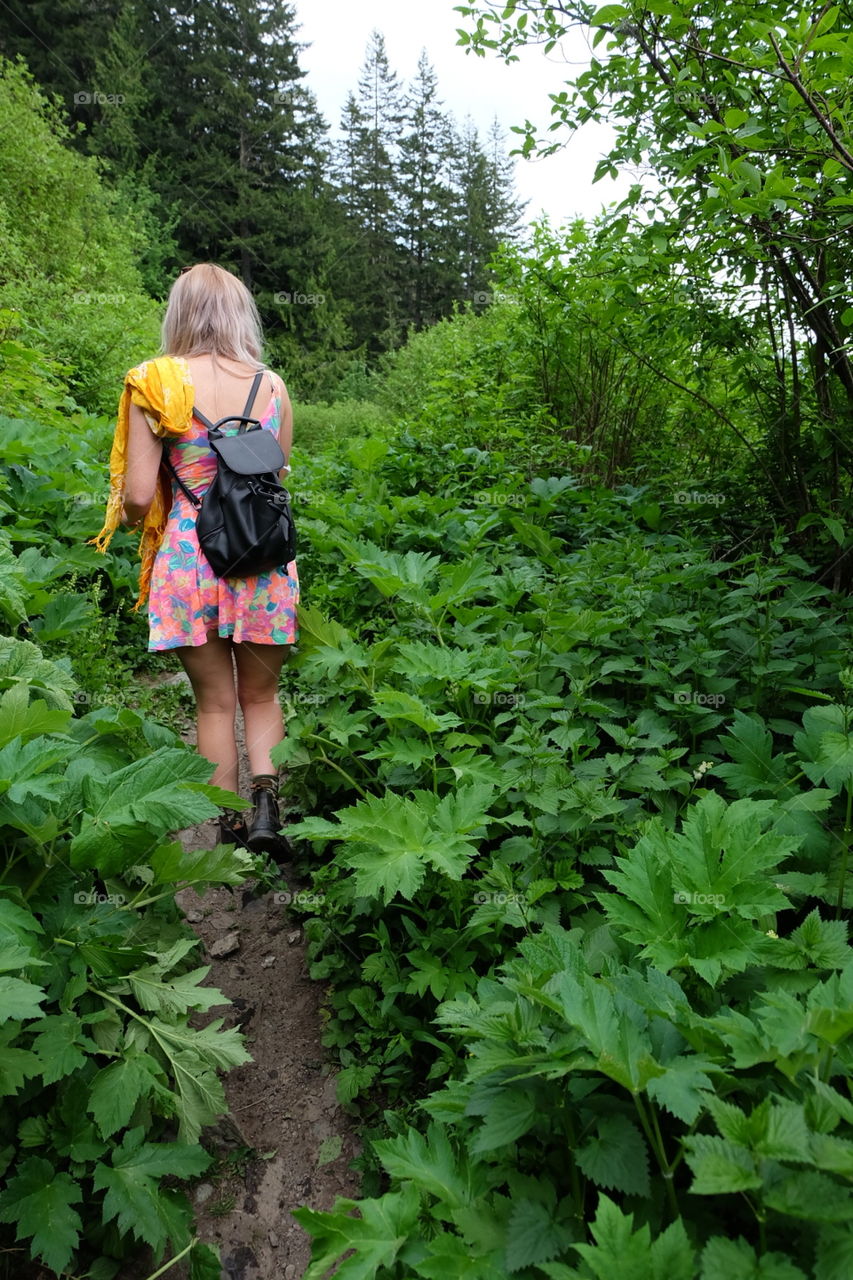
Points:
x=483, y=88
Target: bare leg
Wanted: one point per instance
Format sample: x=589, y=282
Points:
x=258, y=669
x=210, y=668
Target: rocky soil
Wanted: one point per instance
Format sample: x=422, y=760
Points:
x=286, y=1142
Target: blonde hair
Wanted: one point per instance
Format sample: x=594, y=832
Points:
x=210, y=311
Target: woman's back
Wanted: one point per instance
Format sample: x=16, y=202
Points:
x=221, y=387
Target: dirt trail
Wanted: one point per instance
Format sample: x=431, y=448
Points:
x=287, y=1141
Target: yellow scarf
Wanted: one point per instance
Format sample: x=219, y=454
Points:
x=164, y=391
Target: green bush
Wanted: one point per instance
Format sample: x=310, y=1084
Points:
x=68, y=249
x=470, y=379
x=106, y=1084
x=318, y=427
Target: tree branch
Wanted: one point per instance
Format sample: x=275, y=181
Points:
x=843, y=154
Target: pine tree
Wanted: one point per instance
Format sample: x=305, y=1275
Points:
x=505, y=209
x=379, y=103
x=425, y=199
x=241, y=154
x=469, y=228
x=61, y=40
x=122, y=95
x=368, y=190
x=485, y=211
x=349, y=150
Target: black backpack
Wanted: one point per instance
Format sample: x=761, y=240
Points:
x=245, y=525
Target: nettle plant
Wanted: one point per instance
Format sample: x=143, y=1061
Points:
x=497, y=719
x=106, y=1085
x=697, y=1109
x=578, y=822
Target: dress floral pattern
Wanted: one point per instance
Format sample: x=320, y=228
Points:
x=187, y=599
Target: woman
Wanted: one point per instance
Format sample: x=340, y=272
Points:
x=218, y=626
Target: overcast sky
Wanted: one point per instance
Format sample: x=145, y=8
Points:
x=483, y=88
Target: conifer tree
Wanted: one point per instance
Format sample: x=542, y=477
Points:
x=505, y=209
x=470, y=230
x=61, y=40
x=425, y=200
x=367, y=168
x=241, y=152
x=485, y=209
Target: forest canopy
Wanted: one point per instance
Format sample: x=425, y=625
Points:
x=348, y=238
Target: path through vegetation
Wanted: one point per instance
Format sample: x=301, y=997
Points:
x=286, y=1141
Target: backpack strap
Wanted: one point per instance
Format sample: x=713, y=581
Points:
x=205, y=422
x=169, y=467
x=253, y=391
x=211, y=426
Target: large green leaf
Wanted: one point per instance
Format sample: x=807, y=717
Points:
x=129, y=811
x=533, y=1235
x=396, y=704
x=16, y=1065
x=614, y=1029
x=691, y=897
x=131, y=1182
x=720, y=1166
x=393, y=574
x=616, y=1157
x=38, y=1201
x=176, y=994
x=61, y=1045
x=429, y=1162
x=376, y=1237
x=825, y=746
x=19, y=999
x=19, y=717
x=116, y=1089
x=724, y=1259
x=21, y=662
x=193, y=1057
x=29, y=769
x=395, y=839
x=449, y=1255
x=508, y=1113
x=632, y=1255
x=63, y=615
x=225, y=864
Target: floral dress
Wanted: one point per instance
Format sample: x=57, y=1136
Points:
x=187, y=599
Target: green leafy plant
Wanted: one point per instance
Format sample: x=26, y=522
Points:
x=577, y=819
x=107, y=1081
